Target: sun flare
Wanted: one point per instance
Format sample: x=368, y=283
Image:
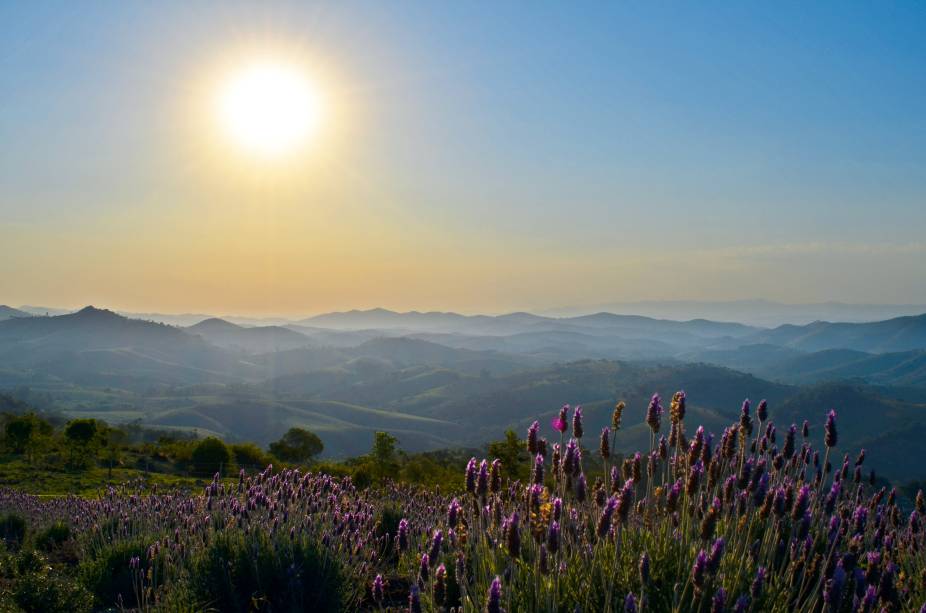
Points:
x=269, y=108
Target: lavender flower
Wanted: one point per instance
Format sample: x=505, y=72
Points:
x=762, y=410
x=553, y=537
x=424, y=569
x=604, y=443
x=494, y=600
x=625, y=503
x=402, y=537
x=377, y=589
x=616, y=416
x=537, y=476
x=630, y=603
x=644, y=568
x=758, y=584
x=654, y=413
x=713, y=561
x=559, y=422
x=453, y=512
x=745, y=419
x=532, y=433
x=698, y=570
x=513, y=535
x=471, y=476
x=607, y=514
x=677, y=407
x=719, y=602
x=577, y=430
x=495, y=476
x=830, y=437
x=440, y=585
x=581, y=488
x=414, y=600
x=436, y=542
x=482, y=479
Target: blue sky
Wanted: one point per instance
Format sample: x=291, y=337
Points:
x=493, y=156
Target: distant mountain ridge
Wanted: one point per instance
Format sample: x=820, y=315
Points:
x=7, y=312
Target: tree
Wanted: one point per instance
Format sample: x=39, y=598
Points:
x=297, y=445
x=250, y=457
x=383, y=455
x=83, y=437
x=114, y=440
x=210, y=456
x=26, y=433
x=512, y=453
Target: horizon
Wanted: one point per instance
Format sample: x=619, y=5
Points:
x=751, y=312
x=455, y=159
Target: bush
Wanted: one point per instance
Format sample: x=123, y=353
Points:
x=210, y=456
x=297, y=445
x=49, y=592
x=13, y=530
x=53, y=536
x=250, y=457
x=107, y=575
x=238, y=573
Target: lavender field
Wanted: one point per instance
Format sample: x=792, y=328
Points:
x=754, y=519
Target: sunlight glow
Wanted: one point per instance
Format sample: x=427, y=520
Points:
x=269, y=108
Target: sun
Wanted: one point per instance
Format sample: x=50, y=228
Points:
x=269, y=108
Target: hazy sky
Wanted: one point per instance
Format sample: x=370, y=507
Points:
x=472, y=156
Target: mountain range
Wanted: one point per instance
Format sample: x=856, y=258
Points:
x=443, y=379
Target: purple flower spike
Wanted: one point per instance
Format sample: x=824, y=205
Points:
x=378, y=589
x=482, y=479
x=758, y=583
x=719, y=602
x=494, y=600
x=402, y=537
x=471, y=476
x=762, y=410
x=532, y=434
x=698, y=570
x=654, y=413
x=604, y=521
x=559, y=422
x=604, y=444
x=630, y=603
x=577, y=430
x=830, y=437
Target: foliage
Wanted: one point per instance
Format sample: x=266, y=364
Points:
x=106, y=574
x=13, y=530
x=83, y=437
x=297, y=445
x=249, y=456
x=238, y=573
x=210, y=456
x=383, y=455
x=37, y=588
x=26, y=433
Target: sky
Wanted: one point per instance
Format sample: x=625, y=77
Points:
x=477, y=157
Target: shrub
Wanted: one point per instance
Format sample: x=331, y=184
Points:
x=12, y=530
x=210, y=456
x=250, y=457
x=240, y=573
x=297, y=445
x=53, y=536
x=49, y=592
x=107, y=575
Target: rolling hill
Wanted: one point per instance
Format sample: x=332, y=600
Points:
x=7, y=312
x=890, y=335
x=263, y=339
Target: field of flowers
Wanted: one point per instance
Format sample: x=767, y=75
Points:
x=753, y=520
